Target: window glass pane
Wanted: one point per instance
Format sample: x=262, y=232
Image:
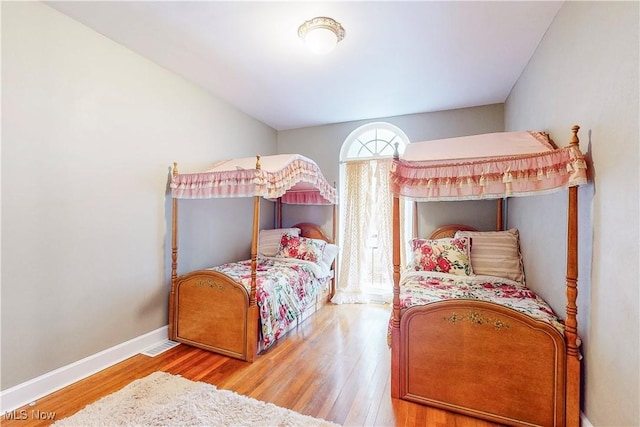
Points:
x=374, y=142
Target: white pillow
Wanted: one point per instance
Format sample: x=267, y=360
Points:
x=269, y=240
x=330, y=253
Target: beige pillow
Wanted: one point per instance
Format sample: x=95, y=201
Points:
x=269, y=240
x=496, y=253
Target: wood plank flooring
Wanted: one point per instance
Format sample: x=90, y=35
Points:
x=335, y=366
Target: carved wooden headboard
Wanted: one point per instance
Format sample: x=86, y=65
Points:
x=312, y=231
x=449, y=230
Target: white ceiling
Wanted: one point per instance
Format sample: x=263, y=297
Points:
x=396, y=58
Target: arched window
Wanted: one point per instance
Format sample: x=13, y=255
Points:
x=374, y=140
x=365, y=267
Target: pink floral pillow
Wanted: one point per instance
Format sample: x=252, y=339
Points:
x=449, y=255
x=292, y=246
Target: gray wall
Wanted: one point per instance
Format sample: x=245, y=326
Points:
x=89, y=131
x=585, y=72
x=90, y=128
x=323, y=143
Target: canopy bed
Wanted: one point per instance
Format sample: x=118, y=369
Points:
x=239, y=309
x=466, y=334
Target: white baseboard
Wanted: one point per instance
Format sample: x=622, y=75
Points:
x=29, y=391
x=584, y=422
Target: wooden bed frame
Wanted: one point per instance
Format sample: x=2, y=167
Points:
x=210, y=310
x=485, y=360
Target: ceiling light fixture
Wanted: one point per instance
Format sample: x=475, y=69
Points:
x=321, y=34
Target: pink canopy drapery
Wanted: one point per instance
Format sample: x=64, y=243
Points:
x=292, y=177
x=487, y=166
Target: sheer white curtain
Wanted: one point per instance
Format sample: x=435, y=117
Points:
x=366, y=266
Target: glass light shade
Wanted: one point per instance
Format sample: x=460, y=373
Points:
x=321, y=34
x=320, y=40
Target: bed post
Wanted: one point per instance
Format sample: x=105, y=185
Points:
x=174, y=232
x=395, y=322
x=499, y=216
x=571, y=323
x=278, y=223
x=334, y=237
x=252, y=318
x=415, y=220
x=334, y=225
x=174, y=255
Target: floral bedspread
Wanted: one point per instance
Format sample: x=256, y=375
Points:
x=283, y=291
x=419, y=288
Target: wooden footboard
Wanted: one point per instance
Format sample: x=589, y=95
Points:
x=209, y=310
x=483, y=360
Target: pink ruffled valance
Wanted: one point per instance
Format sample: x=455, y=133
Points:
x=294, y=178
x=489, y=178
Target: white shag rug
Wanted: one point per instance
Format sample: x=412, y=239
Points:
x=162, y=399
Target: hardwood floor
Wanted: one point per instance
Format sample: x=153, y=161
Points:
x=335, y=366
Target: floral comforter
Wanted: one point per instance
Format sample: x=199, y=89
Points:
x=284, y=289
x=420, y=287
